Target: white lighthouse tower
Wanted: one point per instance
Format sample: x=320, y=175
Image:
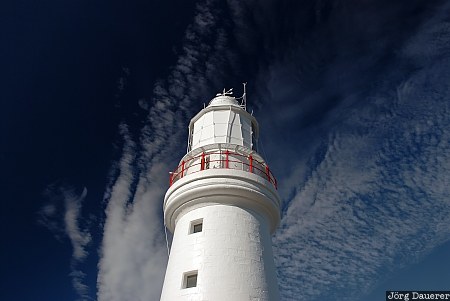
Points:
x=222, y=206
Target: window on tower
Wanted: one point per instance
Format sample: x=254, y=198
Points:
x=190, y=279
x=196, y=226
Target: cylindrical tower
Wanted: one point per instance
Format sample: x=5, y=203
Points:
x=222, y=206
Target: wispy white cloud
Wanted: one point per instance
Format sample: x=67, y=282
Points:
x=133, y=253
x=62, y=216
x=78, y=237
x=131, y=259
x=377, y=198
x=78, y=282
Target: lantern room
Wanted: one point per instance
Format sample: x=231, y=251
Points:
x=224, y=120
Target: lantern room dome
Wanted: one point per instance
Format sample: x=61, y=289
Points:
x=223, y=100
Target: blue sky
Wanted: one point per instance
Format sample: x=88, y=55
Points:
x=353, y=103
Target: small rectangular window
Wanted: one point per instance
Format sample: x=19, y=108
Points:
x=196, y=226
x=190, y=279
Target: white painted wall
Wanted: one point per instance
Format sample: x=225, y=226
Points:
x=233, y=257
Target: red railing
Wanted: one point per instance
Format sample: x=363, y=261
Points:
x=222, y=159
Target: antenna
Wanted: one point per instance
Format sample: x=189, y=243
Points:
x=244, y=98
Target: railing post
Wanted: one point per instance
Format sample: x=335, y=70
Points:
x=226, y=158
x=202, y=164
x=170, y=178
x=182, y=168
x=250, y=158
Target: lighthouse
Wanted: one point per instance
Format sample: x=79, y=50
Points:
x=222, y=207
